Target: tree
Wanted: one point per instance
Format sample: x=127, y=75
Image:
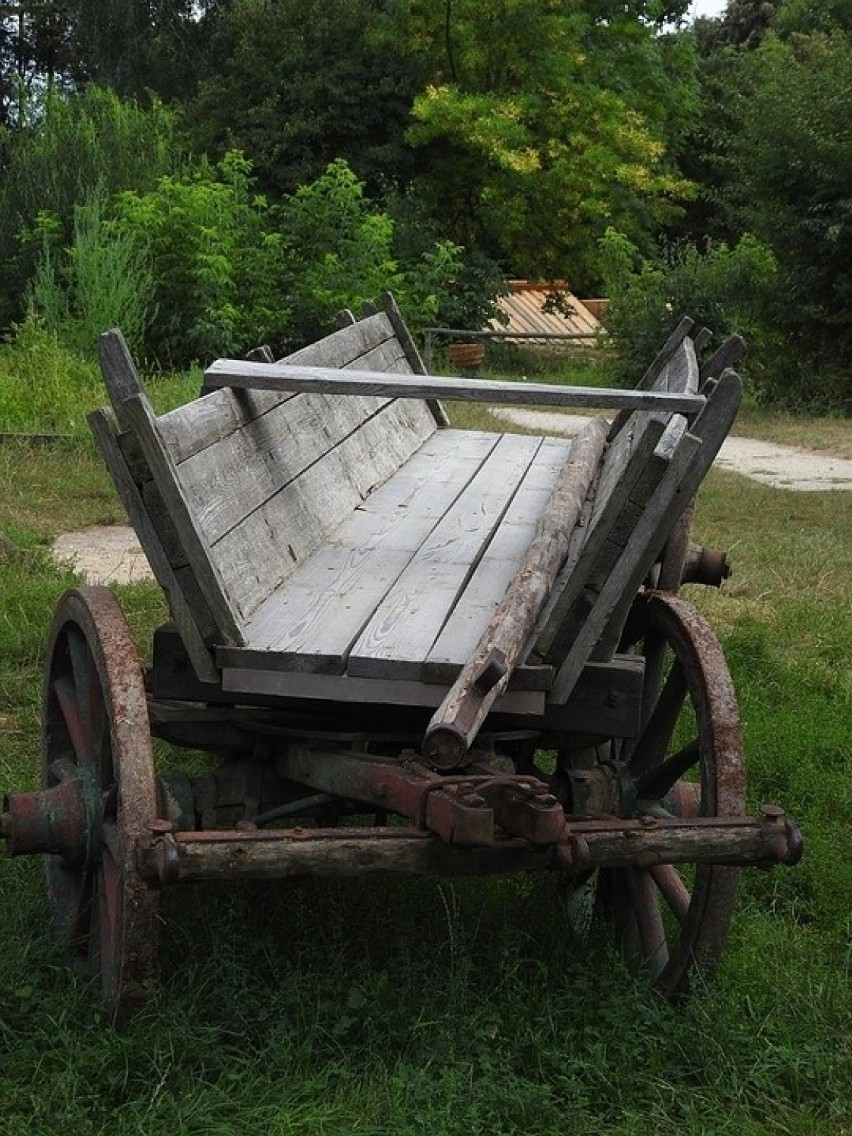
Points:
x=533, y=141
x=139, y=46
x=791, y=185
x=37, y=50
x=299, y=83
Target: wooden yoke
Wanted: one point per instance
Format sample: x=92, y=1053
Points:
x=485, y=677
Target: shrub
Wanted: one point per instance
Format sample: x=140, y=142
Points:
x=216, y=262
x=73, y=146
x=103, y=280
x=341, y=251
x=44, y=387
x=726, y=289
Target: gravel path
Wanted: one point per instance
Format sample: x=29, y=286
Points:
x=107, y=555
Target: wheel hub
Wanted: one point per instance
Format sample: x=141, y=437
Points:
x=65, y=820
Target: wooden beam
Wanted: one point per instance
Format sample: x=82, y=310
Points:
x=411, y=353
x=325, y=380
x=193, y=640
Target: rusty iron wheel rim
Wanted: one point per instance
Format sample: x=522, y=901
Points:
x=95, y=717
x=663, y=924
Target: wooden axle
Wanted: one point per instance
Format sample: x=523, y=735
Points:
x=186, y=857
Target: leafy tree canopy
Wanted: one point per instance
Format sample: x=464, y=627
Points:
x=793, y=162
x=299, y=83
x=537, y=129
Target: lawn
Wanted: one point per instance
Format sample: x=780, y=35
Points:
x=409, y=1006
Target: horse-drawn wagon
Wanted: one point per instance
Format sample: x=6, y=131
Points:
x=407, y=648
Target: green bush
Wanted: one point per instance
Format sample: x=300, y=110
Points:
x=73, y=146
x=339, y=252
x=103, y=280
x=216, y=261
x=726, y=289
x=44, y=387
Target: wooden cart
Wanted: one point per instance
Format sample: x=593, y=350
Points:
x=409, y=648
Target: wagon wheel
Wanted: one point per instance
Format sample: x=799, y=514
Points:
x=96, y=728
x=688, y=762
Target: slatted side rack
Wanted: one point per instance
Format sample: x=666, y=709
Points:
x=321, y=534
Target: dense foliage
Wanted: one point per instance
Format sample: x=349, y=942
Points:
x=455, y=143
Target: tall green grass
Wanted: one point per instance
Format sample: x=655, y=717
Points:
x=45, y=388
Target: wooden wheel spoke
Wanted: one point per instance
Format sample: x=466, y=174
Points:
x=110, y=879
x=71, y=897
x=657, y=734
x=673, y=890
x=90, y=696
x=81, y=921
x=657, y=782
x=666, y=923
x=645, y=904
x=75, y=723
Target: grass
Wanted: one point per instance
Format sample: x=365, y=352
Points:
x=372, y=1007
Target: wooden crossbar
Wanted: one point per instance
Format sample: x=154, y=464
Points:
x=239, y=374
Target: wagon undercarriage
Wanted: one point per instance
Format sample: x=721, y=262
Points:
x=282, y=801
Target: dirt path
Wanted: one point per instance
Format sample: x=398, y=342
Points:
x=783, y=467
x=107, y=555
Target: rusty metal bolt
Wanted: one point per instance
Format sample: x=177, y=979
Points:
x=773, y=813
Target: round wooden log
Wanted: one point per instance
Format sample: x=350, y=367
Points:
x=186, y=857
x=485, y=677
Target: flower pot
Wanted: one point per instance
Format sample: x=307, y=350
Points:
x=466, y=356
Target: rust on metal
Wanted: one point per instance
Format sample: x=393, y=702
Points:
x=462, y=809
x=64, y=820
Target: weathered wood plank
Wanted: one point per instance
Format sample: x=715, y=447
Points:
x=193, y=638
x=141, y=420
x=190, y=429
x=606, y=701
x=727, y=355
x=206, y=420
x=346, y=688
x=405, y=625
x=315, y=619
x=258, y=376
x=630, y=472
x=483, y=679
x=655, y=368
x=593, y=608
x=231, y=479
x=119, y=372
x=349, y=343
x=710, y=428
x=261, y=552
x=492, y=576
